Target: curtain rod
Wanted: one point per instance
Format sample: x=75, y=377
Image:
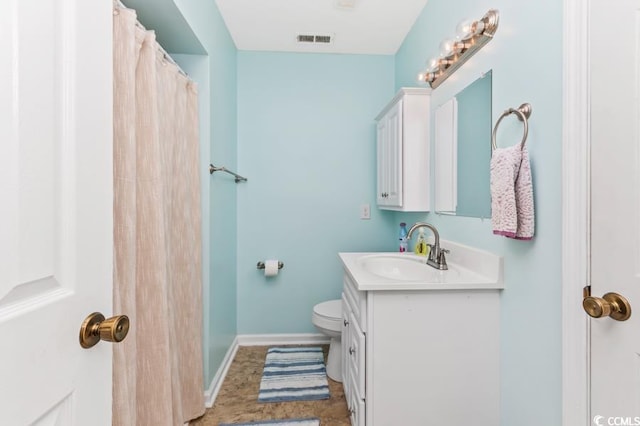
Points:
x=165, y=55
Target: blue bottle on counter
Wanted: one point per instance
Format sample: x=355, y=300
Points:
x=403, y=237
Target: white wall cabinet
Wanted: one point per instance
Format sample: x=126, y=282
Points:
x=403, y=150
x=421, y=358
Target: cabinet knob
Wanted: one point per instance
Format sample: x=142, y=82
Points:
x=346, y=323
x=352, y=350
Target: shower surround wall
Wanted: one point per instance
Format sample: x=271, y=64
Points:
x=306, y=141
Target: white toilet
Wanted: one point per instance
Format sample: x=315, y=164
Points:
x=327, y=317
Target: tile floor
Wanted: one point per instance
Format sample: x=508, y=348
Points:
x=238, y=397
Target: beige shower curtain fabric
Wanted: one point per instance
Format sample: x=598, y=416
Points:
x=158, y=373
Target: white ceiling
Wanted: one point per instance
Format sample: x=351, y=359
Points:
x=369, y=27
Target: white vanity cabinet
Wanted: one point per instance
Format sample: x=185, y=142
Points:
x=403, y=152
x=421, y=357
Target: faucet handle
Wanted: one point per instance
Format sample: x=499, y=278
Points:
x=442, y=260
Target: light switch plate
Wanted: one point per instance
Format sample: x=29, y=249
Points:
x=365, y=211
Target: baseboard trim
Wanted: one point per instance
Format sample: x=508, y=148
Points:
x=282, y=339
x=211, y=393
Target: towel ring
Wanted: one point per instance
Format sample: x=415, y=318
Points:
x=523, y=112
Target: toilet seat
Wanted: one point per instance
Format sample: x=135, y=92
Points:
x=328, y=315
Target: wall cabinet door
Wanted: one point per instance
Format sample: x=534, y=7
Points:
x=381, y=148
x=392, y=159
x=403, y=152
x=389, y=148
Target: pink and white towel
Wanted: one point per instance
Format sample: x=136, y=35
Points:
x=512, y=213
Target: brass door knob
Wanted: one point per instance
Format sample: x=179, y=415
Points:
x=95, y=328
x=610, y=305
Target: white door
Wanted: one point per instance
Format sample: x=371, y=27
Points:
x=615, y=207
x=55, y=209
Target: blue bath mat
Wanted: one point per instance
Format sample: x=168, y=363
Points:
x=294, y=374
x=289, y=422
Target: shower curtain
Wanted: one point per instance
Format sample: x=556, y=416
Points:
x=158, y=371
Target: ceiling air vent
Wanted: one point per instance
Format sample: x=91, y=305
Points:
x=303, y=38
x=315, y=38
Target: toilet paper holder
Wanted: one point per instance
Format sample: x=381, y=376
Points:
x=260, y=265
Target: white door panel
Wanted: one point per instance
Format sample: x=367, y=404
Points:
x=56, y=209
x=615, y=201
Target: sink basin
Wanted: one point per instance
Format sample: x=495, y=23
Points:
x=404, y=267
x=469, y=268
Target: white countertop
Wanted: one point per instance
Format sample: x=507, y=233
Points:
x=469, y=269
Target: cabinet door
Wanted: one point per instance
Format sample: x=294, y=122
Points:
x=393, y=154
x=357, y=410
x=345, y=337
x=382, y=144
x=356, y=356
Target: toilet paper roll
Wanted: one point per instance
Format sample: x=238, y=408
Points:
x=270, y=268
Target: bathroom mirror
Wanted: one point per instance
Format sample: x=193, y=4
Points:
x=463, y=151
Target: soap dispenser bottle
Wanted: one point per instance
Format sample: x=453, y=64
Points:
x=421, y=248
x=403, y=237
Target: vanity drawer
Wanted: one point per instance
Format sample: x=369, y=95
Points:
x=357, y=301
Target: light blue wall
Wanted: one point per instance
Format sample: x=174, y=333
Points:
x=306, y=141
x=526, y=59
x=220, y=304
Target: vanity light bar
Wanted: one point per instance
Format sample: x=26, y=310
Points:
x=470, y=38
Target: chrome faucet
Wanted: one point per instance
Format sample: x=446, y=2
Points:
x=437, y=257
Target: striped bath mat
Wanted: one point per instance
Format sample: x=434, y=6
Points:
x=289, y=422
x=294, y=374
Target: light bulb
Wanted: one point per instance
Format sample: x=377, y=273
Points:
x=446, y=48
x=463, y=30
x=433, y=64
x=422, y=77
x=468, y=28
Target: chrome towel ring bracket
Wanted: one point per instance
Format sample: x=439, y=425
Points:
x=523, y=112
